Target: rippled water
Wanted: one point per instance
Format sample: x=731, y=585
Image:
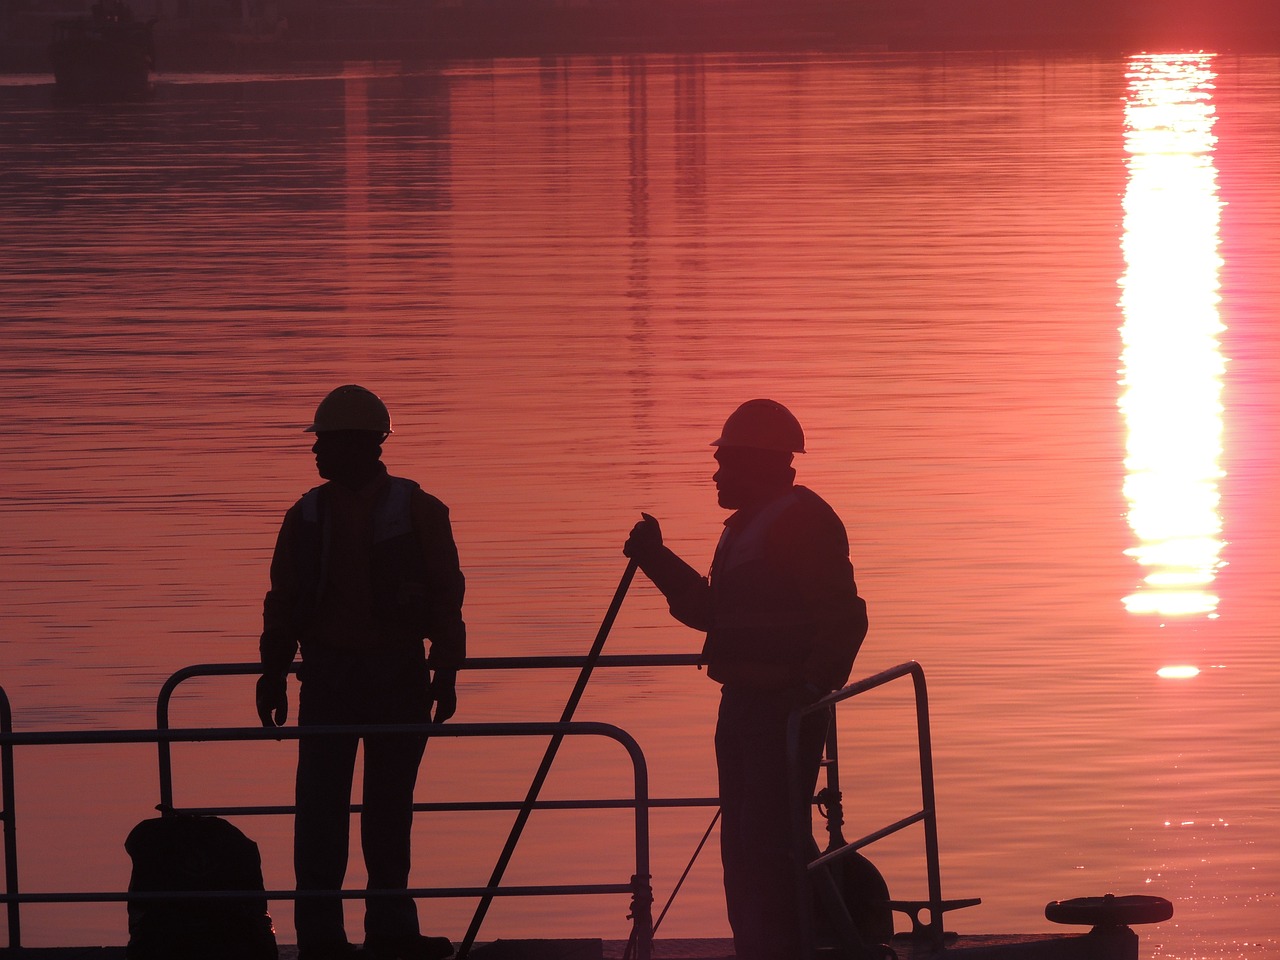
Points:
x=1024, y=308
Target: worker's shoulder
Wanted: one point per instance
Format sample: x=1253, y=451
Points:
x=306, y=506
x=808, y=503
x=809, y=520
x=419, y=499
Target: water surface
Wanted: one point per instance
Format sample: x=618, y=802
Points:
x=1023, y=307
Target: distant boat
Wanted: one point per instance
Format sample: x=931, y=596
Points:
x=107, y=55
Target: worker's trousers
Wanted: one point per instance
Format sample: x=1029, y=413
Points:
x=757, y=839
x=358, y=687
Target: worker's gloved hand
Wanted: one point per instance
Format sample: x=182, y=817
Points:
x=272, y=700
x=444, y=694
x=645, y=539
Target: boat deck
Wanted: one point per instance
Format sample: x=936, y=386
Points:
x=971, y=947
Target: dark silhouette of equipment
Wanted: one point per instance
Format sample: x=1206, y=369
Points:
x=199, y=854
x=856, y=883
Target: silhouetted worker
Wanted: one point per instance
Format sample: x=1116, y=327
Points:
x=784, y=621
x=365, y=568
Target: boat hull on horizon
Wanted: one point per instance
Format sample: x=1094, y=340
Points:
x=107, y=56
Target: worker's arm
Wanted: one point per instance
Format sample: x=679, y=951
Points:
x=688, y=593
x=446, y=587
x=279, y=642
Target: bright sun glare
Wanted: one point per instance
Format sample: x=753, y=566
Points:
x=1178, y=672
x=1172, y=363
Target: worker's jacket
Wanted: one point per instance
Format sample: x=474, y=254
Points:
x=364, y=569
x=780, y=607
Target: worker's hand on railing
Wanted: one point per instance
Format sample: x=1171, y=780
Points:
x=272, y=700
x=444, y=694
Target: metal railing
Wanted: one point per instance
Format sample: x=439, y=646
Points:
x=638, y=887
x=819, y=867
x=165, y=764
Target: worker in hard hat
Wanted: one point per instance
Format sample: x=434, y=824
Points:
x=365, y=569
x=783, y=621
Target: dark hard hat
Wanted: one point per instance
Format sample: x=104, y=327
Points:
x=764, y=425
x=351, y=407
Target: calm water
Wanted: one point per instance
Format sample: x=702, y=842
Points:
x=1024, y=308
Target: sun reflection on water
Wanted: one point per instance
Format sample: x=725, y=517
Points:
x=1178, y=672
x=1172, y=365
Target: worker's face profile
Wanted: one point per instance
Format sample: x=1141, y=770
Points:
x=734, y=477
x=338, y=452
x=746, y=476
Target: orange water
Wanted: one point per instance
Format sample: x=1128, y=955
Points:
x=1023, y=307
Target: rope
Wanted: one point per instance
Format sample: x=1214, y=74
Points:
x=631, y=942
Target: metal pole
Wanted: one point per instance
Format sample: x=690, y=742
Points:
x=929, y=804
x=642, y=882
x=164, y=754
x=547, y=759
x=10, y=828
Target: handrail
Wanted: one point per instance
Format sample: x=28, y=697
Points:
x=163, y=736
x=926, y=815
x=163, y=699
x=638, y=887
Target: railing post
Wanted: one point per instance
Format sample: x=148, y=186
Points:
x=163, y=748
x=10, y=828
x=929, y=804
x=641, y=915
x=164, y=755
x=642, y=882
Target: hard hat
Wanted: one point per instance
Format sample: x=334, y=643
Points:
x=351, y=407
x=764, y=425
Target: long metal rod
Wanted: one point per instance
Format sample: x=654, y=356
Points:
x=469, y=806
x=688, y=867
x=535, y=787
x=225, y=734
x=439, y=893
x=928, y=799
x=839, y=853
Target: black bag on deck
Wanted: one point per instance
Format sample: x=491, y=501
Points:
x=197, y=853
